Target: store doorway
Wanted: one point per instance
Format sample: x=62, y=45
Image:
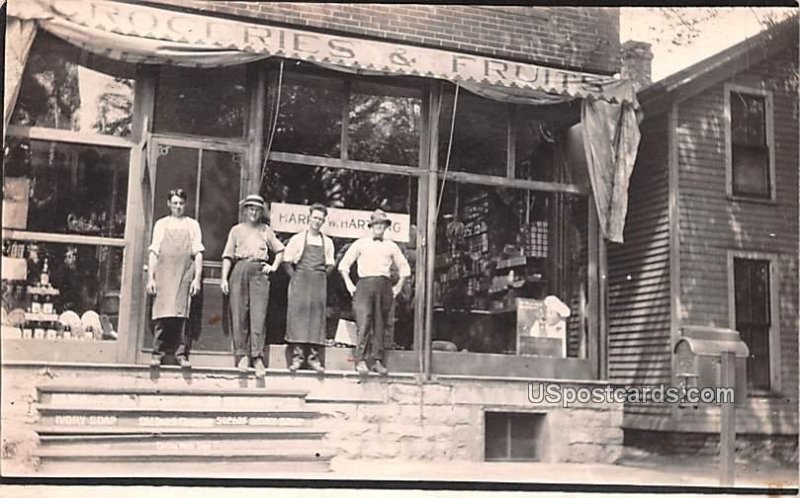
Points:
x=211, y=174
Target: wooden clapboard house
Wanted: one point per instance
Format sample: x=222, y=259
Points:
x=711, y=239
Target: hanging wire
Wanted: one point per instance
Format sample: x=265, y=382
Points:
x=273, y=127
x=449, y=149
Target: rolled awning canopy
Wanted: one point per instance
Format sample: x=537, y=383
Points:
x=149, y=35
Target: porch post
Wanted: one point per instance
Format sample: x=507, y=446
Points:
x=133, y=300
x=434, y=105
x=593, y=336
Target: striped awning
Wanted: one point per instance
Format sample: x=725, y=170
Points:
x=143, y=34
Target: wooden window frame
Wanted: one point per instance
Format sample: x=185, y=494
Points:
x=430, y=174
x=774, y=309
x=126, y=243
x=769, y=125
x=597, y=323
x=59, y=136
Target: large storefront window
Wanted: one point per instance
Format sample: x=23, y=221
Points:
x=480, y=135
x=208, y=102
x=382, y=120
x=67, y=89
x=67, y=285
x=67, y=188
x=384, y=124
x=65, y=195
x=310, y=116
x=61, y=291
x=352, y=190
x=500, y=253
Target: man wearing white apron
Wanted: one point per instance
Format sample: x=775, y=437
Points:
x=175, y=266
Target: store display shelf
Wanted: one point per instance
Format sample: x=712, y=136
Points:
x=41, y=317
x=44, y=291
x=499, y=311
x=512, y=262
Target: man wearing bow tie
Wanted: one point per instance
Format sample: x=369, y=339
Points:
x=374, y=294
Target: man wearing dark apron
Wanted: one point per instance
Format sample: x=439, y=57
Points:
x=374, y=294
x=245, y=275
x=175, y=266
x=308, y=260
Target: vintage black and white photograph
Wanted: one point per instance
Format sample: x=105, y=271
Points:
x=429, y=245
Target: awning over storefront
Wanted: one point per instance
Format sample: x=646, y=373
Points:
x=141, y=34
x=19, y=38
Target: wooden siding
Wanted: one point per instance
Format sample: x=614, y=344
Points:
x=638, y=287
x=759, y=416
x=711, y=225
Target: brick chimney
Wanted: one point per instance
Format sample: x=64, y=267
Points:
x=637, y=59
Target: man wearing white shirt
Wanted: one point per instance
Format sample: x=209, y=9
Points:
x=374, y=294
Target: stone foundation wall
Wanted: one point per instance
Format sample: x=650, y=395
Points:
x=750, y=448
x=19, y=439
x=444, y=420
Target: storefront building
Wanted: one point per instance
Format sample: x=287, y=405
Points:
x=99, y=140
x=496, y=137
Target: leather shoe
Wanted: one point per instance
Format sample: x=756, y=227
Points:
x=184, y=362
x=362, y=368
x=243, y=364
x=155, y=361
x=261, y=370
x=295, y=366
x=379, y=368
x=316, y=366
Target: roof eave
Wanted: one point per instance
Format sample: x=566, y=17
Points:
x=655, y=98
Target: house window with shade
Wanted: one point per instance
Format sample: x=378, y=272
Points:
x=750, y=144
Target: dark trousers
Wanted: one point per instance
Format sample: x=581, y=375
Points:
x=249, y=298
x=171, y=334
x=372, y=305
x=303, y=352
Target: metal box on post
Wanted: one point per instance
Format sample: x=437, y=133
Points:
x=699, y=358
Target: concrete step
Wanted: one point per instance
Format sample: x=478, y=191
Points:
x=168, y=455
x=333, y=386
x=168, y=462
x=217, y=468
x=255, y=431
x=183, y=417
x=153, y=396
x=84, y=445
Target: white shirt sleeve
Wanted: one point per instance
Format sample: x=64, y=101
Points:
x=350, y=256
x=402, y=263
x=293, y=247
x=197, y=237
x=329, y=250
x=158, y=236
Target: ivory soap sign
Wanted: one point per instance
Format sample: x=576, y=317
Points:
x=346, y=223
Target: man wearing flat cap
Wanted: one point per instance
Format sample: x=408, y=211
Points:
x=245, y=276
x=374, y=293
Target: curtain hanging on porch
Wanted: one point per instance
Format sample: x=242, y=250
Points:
x=610, y=140
x=141, y=34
